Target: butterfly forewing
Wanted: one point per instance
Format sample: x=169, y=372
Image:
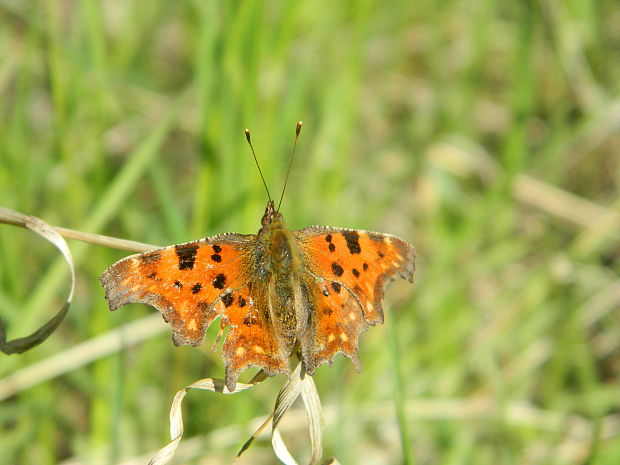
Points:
x=184, y=282
x=362, y=261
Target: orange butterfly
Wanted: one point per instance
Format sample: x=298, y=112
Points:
x=319, y=287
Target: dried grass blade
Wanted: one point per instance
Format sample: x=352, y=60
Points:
x=280, y=448
x=166, y=453
x=8, y=216
x=256, y=433
x=41, y=228
x=312, y=403
x=286, y=397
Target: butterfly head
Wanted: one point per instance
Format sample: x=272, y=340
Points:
x=271, y=216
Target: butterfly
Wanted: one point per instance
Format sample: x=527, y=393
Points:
x=313, y=290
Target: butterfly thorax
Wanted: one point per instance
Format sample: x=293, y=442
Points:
x=280, y=256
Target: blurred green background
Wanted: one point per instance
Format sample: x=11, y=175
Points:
x=486, y=133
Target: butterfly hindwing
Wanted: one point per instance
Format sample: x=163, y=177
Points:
x=335, y=323
x=251, y=340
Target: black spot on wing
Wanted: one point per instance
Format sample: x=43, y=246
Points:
x=228, y=300
x=353, y=241
x=178, y=285
x=217, y=248
x=355, y=273
x=337, y=269
x=196, y=288
x=365, y=267
x=220, y=281
x=331, y=247
x=241, y=301
x=336, y=287
x=186, y=255
x=216, y=258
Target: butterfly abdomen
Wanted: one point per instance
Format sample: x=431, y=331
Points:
x=279, y=262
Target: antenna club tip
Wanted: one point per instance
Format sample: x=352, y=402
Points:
x=247, y=134
x=298, y=129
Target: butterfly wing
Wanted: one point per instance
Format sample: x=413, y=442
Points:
x=191, y=284
x=347, y=272
x=184, y=282
x=335, y=321
x=251, y=340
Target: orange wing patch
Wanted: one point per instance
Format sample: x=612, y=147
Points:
x=365, y=262
x=183, y=282
x=251, y=340
x=336, y=321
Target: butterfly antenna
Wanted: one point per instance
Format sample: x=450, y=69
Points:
x=290, y=163
x=247, y=136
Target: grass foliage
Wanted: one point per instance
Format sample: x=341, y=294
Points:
x=486, y=133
